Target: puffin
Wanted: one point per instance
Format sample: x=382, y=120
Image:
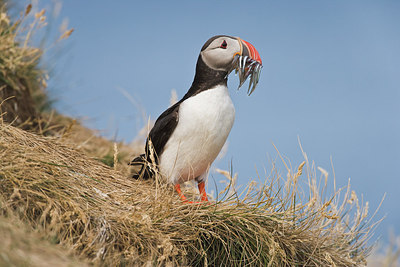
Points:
x=188, y=136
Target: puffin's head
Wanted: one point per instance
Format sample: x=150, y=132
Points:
x=226, y=53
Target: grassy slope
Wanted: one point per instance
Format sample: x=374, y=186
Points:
x=20, y=246
x=108, y=218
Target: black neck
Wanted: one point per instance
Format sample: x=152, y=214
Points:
x=206, y=78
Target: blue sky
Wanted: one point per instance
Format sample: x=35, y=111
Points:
x=331, y=78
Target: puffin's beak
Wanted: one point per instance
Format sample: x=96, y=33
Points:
x=249, y=50
x=247, y=63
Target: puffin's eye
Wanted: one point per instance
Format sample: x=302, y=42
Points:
x=224, y=45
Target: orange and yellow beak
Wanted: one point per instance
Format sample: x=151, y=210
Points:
x=249, y=50
x=247, y=63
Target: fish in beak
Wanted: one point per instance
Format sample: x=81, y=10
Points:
x=247, y=63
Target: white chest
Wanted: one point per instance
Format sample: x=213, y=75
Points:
x=205, y=121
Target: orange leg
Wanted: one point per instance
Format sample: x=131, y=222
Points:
x=202, y=191
x=178, y=189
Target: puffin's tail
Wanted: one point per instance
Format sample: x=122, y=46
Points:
x=146, y=171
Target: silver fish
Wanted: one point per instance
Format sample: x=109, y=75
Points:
x=246, y=67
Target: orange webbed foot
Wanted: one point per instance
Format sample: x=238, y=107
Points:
x=203, y=194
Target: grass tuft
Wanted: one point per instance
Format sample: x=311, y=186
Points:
x=111, y=219
x=23, y=82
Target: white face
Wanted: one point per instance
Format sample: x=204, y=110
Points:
x=220, y=52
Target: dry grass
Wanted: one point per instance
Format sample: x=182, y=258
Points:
x=23, y=82
x=20, y=246
x=110, y=219
x=73, y=134
x=386, y=255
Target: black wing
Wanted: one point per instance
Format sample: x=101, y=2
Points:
x=162, y=130
x=159, y=135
